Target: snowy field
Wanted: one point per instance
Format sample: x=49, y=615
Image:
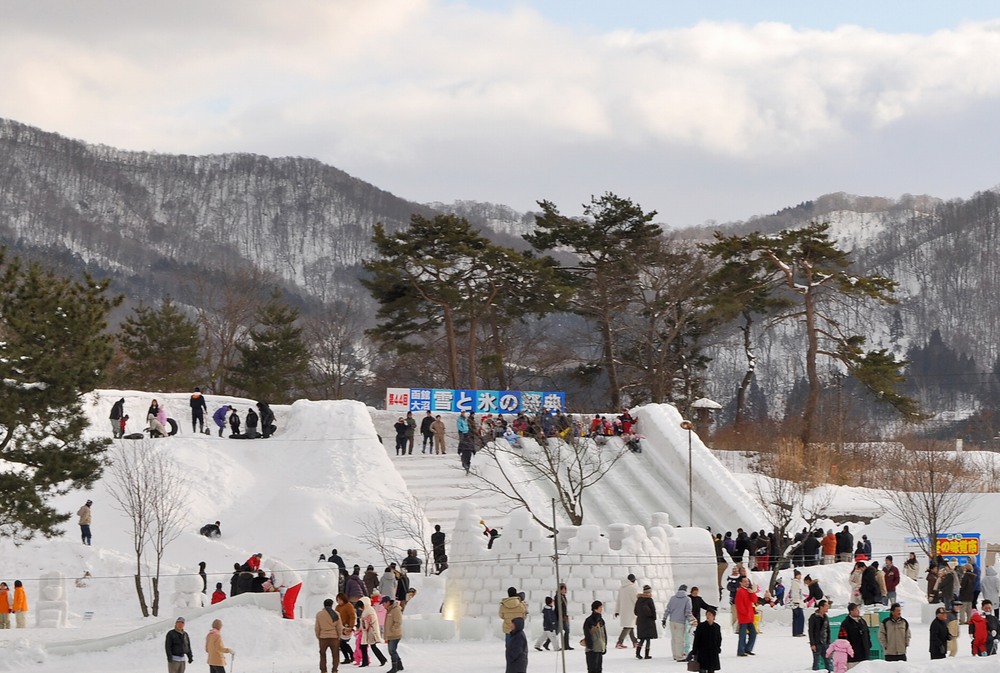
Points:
x=300, y=494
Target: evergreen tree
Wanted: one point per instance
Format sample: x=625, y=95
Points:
x=274, y=362
x=53, y=348
x=612, y=231
x=441, y=278
x=814, y=277
x=161, y=348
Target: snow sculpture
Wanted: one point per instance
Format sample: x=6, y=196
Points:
x=52, y=609
x=187, y=590
x=321, y=583
x=593, y=565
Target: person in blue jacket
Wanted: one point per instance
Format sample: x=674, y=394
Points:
x=220, y=417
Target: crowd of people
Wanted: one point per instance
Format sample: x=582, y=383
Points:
x=473, y=433
x=259, y=423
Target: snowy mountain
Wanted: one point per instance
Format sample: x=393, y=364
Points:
x=148, y=220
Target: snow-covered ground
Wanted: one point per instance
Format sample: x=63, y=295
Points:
x=303, y=491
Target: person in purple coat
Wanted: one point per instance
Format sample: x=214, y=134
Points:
x=220, y=417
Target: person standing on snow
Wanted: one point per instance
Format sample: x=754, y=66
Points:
x=411, y=431
x=595, y=638
x=796, y=601
x=438, y=428
x=516, y=652
x=216, y=649
x=625, y=611
x=251, y=421
x=234, y=425
x=327, y=628
x=679, y=614
x=400, y=427
x=178, y=647
x=198, y=409
x=117, y=411
x=393, y=633
x=85, y=520
x=427, y=445
x=645, y=620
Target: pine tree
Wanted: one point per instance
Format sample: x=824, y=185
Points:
x=274, y=362
x=53, y=348
x=612, y=230
x=161, y=347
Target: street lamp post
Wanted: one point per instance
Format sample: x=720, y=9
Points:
x=689, y=426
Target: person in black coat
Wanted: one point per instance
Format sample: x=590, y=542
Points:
x=810, y=549
x=645, y=620
x=871, y=593
x=400, y=428
x=858, y=634
x=698, y=604
x=427, y=434
x=517, y=647
x=707, y=643
x=251, y=421
x=178, y=645
x=117, y=411
x=234, y=581
x=198, y=409
x=939, y=634
x=234, y=424
x=267, y=426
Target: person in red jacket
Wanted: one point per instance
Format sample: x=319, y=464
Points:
x=977, y=628
x=891, y=580
x=253, y=563
x=746, y=606
x=218, y=595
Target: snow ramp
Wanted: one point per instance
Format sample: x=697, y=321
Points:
x=720, y=501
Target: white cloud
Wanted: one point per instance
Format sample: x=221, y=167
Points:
x=383, y=87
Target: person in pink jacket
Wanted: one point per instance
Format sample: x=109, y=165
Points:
x=839, y=651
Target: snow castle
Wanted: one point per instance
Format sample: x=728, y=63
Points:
x=593, y=564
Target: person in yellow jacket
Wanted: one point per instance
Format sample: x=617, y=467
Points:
x=20, y=607
x=4, y=606
x=216, y=650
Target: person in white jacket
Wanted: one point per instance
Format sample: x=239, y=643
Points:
x=625, y=611
x=797, y=601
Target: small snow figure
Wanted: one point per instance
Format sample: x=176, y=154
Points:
x=491, y=533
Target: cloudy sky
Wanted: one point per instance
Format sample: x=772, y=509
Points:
x=700, y=110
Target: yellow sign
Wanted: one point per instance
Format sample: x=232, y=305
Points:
x=958, y=546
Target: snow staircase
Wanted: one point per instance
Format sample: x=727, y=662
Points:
x=437, y=482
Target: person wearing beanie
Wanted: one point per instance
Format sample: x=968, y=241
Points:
x=679, y=615
x=178, y=648
x=393, y=631
x=645, y=621
x=216, y=649
x=625, y=611
x=85, y=521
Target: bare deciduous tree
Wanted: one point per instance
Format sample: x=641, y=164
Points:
x=403, y=521
x=569, y=467
x=340, y=353
x=147, y=488
x=928, y=492
x=226, y=312
x=785, y=504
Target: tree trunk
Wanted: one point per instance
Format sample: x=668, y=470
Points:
x=449, y=330
x=141, y=594
x=609, y=361
x=812, y=398
x=156, y=596
x=498, y=347
x=741, y=392
x=473, y=354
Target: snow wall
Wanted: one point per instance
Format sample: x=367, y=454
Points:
x=593, y=564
